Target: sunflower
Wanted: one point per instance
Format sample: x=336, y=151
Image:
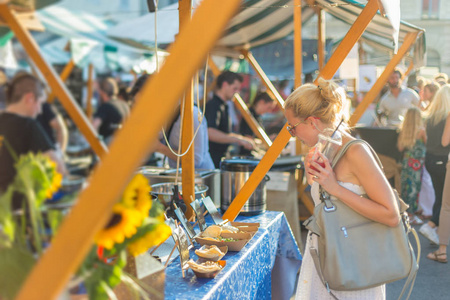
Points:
x=54, y=185
x=152, y=238
x=123, y=224
x=137, y=195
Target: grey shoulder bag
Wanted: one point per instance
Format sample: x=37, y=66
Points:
x=356, y=253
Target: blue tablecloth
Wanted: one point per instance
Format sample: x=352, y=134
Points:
x=266, y=267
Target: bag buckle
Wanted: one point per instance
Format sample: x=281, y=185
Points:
x=328, y=207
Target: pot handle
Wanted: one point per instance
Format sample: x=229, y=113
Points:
x=267, y=178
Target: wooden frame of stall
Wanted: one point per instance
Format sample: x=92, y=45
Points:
x=73, y=241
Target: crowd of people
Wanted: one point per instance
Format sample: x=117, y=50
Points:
x=421, y=112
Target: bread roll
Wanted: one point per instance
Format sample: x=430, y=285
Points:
x=212, y=231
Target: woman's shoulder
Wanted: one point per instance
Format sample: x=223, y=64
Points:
x=359, y=154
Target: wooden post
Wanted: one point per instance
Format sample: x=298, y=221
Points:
x=129, y=148
x=409, y=40
x=298, y=54
x=65, y=73
x=90, y=91
x=251, y=121
x=271, y=90
x=53, y=80
x=321, y=38
x=187, y=129
x=280, y=142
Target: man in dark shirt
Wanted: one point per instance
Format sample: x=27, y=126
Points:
x=262, y=104
x=53, y=125
x=219, y=124
x=19, y=128
x=112, y=112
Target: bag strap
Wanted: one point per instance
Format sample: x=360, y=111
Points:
x=345, y=148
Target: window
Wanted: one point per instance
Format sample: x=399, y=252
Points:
x=430, y=9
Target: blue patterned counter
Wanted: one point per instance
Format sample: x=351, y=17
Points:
x=265, y=268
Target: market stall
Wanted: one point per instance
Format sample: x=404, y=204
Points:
x=73, y=241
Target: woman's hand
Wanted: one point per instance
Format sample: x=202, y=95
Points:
x=324, y=175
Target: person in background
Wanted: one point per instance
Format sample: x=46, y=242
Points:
x=397, y=100
x=24, y=97
x=219, y=124
x=262, y=104
x=411, y=141
x=421, y=82
x=202, y=157
x=158, y=145
x=429, y=90
x=283, y=88
x=437, y=155
x=112, y=112
x=440, y=254
x=441, y=78
x=357, y=179
x=124, y=94
x=53, y=124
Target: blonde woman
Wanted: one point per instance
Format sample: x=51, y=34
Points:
x=437, y=155
x=411, y=141
x=310, y=110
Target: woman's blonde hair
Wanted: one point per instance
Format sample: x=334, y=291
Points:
x=440, y=106
x=410, y=128
x=325, y=101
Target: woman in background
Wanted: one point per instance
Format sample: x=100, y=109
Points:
x=437, y=155
x=411, y=140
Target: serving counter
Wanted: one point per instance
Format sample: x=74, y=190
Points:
x=265, y=268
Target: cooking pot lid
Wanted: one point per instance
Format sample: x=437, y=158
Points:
x=239, y=164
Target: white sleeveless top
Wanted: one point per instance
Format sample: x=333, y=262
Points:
x=309, y=286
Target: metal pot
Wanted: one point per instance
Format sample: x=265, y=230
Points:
x=164, y=191
x=235, y=173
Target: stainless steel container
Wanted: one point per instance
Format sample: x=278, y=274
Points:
x=210, y=178
x=235, y=173
x=164, y=191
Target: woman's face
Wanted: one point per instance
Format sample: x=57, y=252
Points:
x=302, y=129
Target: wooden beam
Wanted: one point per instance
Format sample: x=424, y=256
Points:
x=65, y=73
x=128, y=149
x=409, y=40
x=90, y=91
x=321, y=38
x=28, y=19
x=283, y=137
x=53, y=80
x=271, y=90
x=214, y=68
x=350, y=39
x=187, y=128
x=251, y=121
x=298, y=51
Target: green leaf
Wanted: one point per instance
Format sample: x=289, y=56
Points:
x=156, y=210
x=15, y=265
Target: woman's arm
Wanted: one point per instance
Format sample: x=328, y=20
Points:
x=380, y=205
